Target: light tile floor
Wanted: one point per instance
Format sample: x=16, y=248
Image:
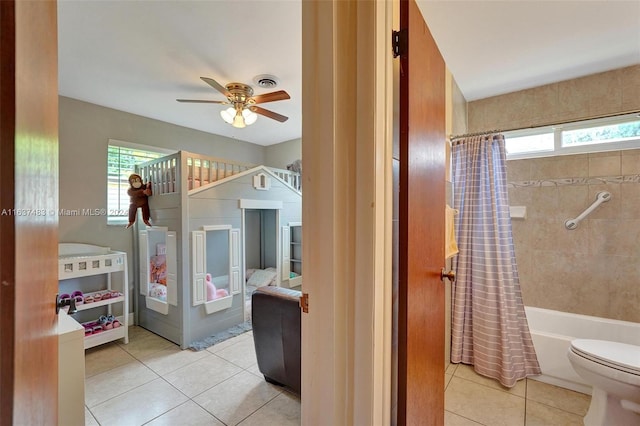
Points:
x=472, y=400
x=151, y=381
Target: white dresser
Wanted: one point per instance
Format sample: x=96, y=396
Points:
x=70, y=371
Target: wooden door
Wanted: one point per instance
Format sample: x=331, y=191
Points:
x=29, y=224
x=421, y=225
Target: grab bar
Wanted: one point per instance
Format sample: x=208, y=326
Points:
x=601, y=197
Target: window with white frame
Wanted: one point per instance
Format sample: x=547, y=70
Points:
x=603, y=134
x=122, y=159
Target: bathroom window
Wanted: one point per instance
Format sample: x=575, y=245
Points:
x=537, y=142
x=605, y=134
x=598, y=134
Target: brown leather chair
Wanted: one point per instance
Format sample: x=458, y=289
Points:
x=275, y=314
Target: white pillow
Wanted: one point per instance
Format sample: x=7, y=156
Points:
x=261, y=277
x=248, y=273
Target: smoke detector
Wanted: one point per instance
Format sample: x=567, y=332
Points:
x=266, y=81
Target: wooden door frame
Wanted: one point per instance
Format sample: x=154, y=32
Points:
x=347, y=211
x=29, y=231
x=7, y=225
x=421, y=322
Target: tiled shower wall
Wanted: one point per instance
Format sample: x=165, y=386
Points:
x=610, y=92
x=594, y=269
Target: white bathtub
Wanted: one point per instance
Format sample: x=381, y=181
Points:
x=552, y=332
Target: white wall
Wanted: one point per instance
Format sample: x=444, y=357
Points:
x=279, y=155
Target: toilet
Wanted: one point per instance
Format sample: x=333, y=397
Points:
x=613, y=370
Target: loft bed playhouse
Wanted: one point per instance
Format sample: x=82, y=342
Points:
x=220, y=230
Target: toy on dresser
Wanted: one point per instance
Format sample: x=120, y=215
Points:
x=212, y=291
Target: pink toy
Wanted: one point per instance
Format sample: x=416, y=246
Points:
x=212, y=292
x=211, y=288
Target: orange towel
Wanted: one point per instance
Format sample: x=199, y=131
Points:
x=450, y=245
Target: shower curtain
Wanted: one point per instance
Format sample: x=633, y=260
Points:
x=489, y=326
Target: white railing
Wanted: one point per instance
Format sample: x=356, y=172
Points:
x=203, y=170
x=169, y=173
x=163, y=173
x=292, y=178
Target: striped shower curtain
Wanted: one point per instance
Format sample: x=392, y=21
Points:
x=489, y=326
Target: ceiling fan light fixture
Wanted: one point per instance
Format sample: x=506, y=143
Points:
x=250, y=117
x=228, y=114
x=238, y=120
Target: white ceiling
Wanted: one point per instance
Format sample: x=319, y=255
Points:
x=140, y=56
x=497, y=47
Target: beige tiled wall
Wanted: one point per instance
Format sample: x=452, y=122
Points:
x=582, y=98
x=594, y=269
x=458, y=110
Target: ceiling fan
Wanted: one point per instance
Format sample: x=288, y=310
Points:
x=243, y=110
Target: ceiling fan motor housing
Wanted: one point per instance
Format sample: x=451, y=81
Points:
x=240, y=93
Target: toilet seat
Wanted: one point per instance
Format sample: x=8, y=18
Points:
x=620, y=356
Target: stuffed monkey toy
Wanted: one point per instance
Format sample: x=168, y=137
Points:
x=138, y=196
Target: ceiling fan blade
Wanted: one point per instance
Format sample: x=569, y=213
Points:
x=280, y=95
x=219, y=87
x=201, y=102
x=267, y=113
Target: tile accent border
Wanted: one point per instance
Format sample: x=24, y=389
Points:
x=575, y=181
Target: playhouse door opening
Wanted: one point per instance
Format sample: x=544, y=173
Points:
x=261, y=251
